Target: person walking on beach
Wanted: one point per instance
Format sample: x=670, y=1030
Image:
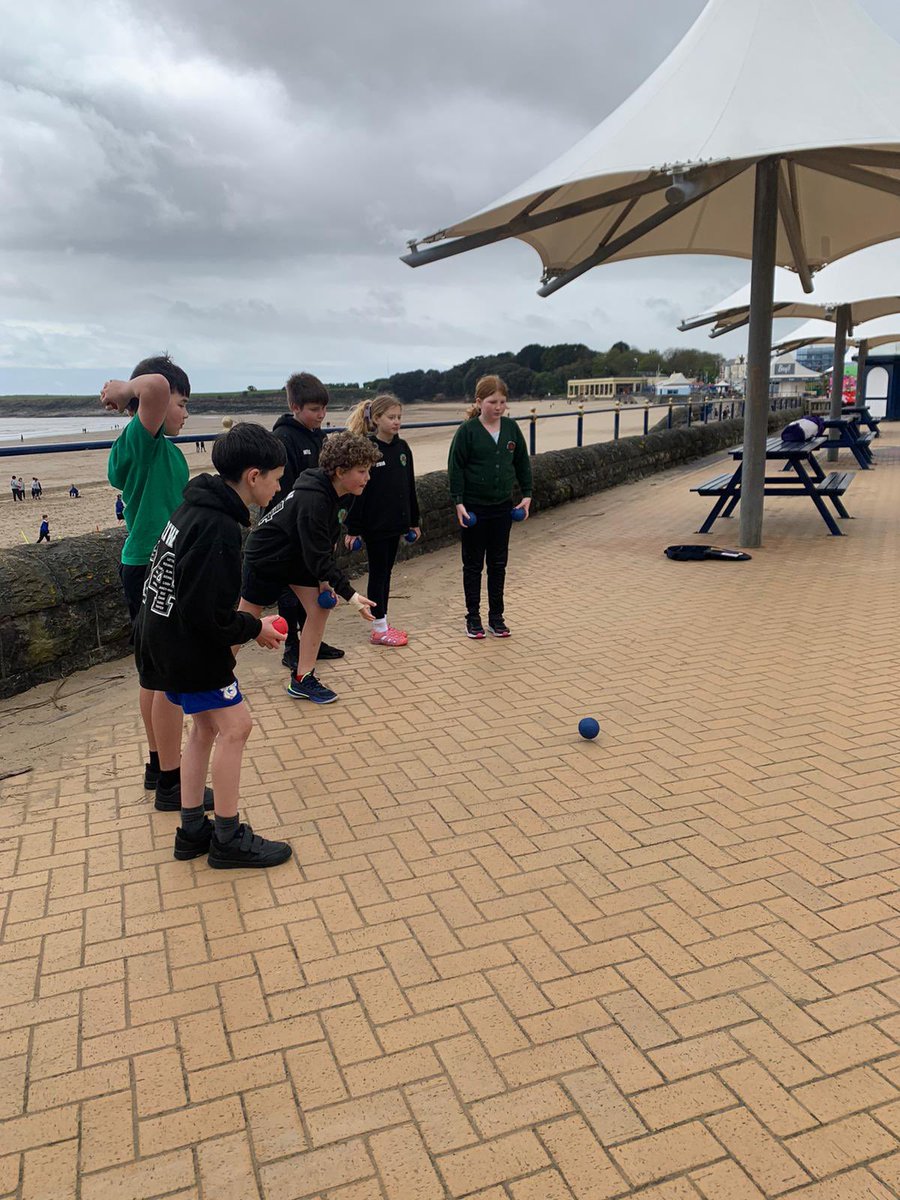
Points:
x=36, y=490
x=20, y=484
x=14, y=488
x=74, y=493
x=44, y=531
x=120, y=508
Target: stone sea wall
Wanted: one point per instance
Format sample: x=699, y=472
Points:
x=61, y=606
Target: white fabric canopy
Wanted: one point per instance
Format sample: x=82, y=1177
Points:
x=864, y=281
x=880, y=332
x=718, y=104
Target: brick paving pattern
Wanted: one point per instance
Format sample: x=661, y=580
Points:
x=505, y=963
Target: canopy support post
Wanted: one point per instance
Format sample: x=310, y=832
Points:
x=759, y=350
x=862, y=357
x=841, y=325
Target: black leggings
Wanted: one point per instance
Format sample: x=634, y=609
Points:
x=487, y=540
x=381, y=553
x=290, y=608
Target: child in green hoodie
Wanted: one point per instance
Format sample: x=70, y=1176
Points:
x=488, y=457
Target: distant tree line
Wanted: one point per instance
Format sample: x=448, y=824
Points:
x=545, y=370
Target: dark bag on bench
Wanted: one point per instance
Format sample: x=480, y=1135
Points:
x=694, y=553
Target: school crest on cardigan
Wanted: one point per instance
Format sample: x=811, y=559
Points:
x=403, y=460
x=510, y=446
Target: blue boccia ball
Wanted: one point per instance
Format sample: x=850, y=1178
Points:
x=327, y=599
x=518, y=514
x=411, y=536
x=470, y=520
x=356, y=544
x=588, y=728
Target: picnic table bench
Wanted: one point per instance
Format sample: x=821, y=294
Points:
x=807, y=479
x=844, y=433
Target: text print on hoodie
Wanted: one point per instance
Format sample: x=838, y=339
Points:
x=188, y=623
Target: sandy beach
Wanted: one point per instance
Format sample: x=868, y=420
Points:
x=95, y=509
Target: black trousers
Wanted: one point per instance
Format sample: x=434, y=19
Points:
x=382, y=553
x=486, y=541
x=290, y=608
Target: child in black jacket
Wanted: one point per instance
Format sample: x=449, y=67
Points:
x=294, y=546
x=387, y=510
x=185, y=634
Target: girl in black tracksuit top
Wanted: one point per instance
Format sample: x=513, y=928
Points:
x=388, y=508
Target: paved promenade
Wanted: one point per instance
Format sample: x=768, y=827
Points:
x=505, y=962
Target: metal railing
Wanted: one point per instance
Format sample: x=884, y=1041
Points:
x=696, y=411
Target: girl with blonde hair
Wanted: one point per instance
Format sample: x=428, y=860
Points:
x=488, y=458
x=387, y=510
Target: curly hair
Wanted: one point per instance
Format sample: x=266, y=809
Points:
x=345, y=450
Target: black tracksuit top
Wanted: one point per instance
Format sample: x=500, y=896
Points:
x=297, y=537
x=302, y=447
x=389, y=506
x=188, y=623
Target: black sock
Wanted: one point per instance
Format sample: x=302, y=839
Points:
x=168, y=779
x=153, y=763
x=193, y=819
x=226, y=828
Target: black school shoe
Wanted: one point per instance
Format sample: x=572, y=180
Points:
x=168, y=799
x=326, y=651
x=291, y=660
x=193, y=845
x=247, y=849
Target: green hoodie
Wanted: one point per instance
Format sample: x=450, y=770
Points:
x=483, y=472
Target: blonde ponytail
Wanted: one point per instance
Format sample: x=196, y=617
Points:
x=363, y=417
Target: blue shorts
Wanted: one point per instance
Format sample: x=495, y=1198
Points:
x=197, y=702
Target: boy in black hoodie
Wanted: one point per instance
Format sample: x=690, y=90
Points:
x=186, y=631
x=301, y=433
x=294, y=546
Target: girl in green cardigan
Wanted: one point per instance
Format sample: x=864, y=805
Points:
x=488, y=457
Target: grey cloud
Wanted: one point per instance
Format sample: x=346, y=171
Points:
x=236, y=181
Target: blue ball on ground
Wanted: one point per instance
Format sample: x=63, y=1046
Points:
x=411, y=536
x=518, y=513
x=588, y=728
x=470, y=520
x=327, y=599
x=356, y=544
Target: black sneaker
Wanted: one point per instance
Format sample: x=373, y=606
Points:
x=498, y=627
x=310, y=688
x=151, y=777
x=474, y=628
x=168, y=799
x=290, y=660
x=193, y=845
x=247, y=849
x=326, y=651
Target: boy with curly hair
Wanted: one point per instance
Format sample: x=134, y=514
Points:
x=294, y=546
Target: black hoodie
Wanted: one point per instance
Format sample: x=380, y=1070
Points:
x=294, y=542
x=388, y=507
x=302, y=447
x=187, y=623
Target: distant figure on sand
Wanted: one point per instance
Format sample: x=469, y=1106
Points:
x=21, y=486
x=14, y=488
x=120, y=508
x=74, y=492
x=36, y=490
x=44, y=531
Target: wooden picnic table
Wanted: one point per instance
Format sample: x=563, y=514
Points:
x=808, y=480
x=864, y=416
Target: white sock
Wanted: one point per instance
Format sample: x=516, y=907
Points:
x=381, y=624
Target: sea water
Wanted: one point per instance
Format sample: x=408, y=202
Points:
x=14, y=429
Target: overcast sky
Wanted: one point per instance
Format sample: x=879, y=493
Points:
x=235, y=182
